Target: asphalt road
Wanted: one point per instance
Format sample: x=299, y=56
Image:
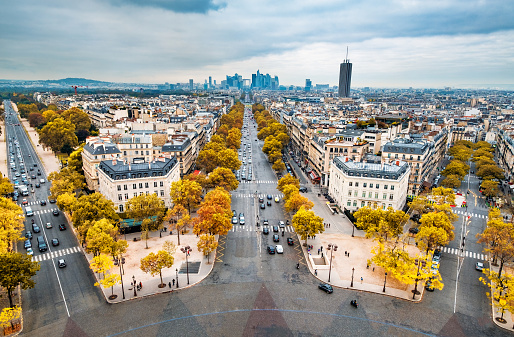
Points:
x=252, y=293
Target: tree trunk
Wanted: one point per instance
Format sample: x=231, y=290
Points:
x=500, y=270
x=160, y=274
x=178, y=236
x=9, y=293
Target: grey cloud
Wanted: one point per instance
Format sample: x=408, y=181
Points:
x=178, y=6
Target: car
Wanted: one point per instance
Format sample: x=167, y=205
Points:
x=275, y=228
x=437, y=252
x=25, y=202
x=31, y=169
x=55, y=242
x=265, y=230
x=35, y=165
x=276, y=238
x=479, y=266
x=234, y=213
x=413, y=230
x=261, y=200
x=42, y=181
x=290, y=241
x=280, y=249
x=28, y=235
x=268, y=203
x=17, y=174
x=36, y=228
x=27, y=244
x=30, y=251
x=269, y=197
x=271, y=250
x=436, y=259
x=48, y=225
x=326, y=288
x=277, y=199
x=15, y=198
x=52, y=201
x=263, y=206
x=43, y=202
x=435, y=269
x=62, y=227
x=38, y=185
x=303, y=189
x=61, y=263
x=33, y=176
x=241, y=215
x=234, y=220
x=265, y=222
x=429, y=286
x=55, y=212
x=38, y=173
x=415, y=217
x=281, y=224
x=241, y=220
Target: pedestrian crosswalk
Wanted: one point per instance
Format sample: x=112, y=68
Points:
x=32, y=203
x=246, y=228
x=57, y=253
x=253, y=195
x=45, y=211
x=473, y=215
x=259, y=181
x=467, y=253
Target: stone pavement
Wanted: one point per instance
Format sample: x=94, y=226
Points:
x=3, y=151
x=508, y=317
x=198, y=267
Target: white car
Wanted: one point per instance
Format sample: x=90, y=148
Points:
x=279, y=249
x=479, y=266
x=30, y=251
x=48, y=225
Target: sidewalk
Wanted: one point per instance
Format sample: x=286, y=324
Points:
x=507, y=316
x=137, y=250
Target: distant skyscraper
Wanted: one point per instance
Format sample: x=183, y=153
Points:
x=210, y=82
x=345, y=77
x=191, y=84
x=308, y=84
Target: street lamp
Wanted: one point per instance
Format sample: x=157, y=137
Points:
x=121, y=261
x=186, y=250
x=134, y=286
x=385, y=279
x=176, y=271
x=353, y=269
x=353, y=229
x=332, y=248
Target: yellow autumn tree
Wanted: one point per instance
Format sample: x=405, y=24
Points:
x=306, y=223
x=207, y=244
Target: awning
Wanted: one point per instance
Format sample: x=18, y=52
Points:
x=312, y=175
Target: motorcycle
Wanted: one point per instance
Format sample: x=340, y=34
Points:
x=32, y=220
x=354, y=303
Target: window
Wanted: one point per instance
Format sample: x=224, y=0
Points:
x=121, y=208
x=370, y=195
x=392, y=187
x=161, y=184
x=156, y=192
x=125, y=187
x=137, y=152
x=391, y=196
x=140, y=193
x=120, y=197
x=378, y=186
x=370, y=185
x=349, y=203
x=154, y=184
x=385, y=187
x=119, y=187
x=384, y=196
x=134, y=186
x=355, y=193
x=355, y=203
x=140, y=185
x=162, y=193
x=388, y=155
x=363, y=204
x=376, y=195
x=396, y=156
x=350, y=183
x=146, y=185
x=349, y=193
x=390, y=205
x=403, y=157
x=356, y=184
x=364, y=194
x=419, y=157
x=147, y=192
x=364, y=185
x=147, y=153
x=384, y=206
x=126, y=196
x=124, y=153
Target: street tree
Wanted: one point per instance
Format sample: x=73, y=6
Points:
x=466, y=143
x=274, y=156
x=490, y=188
x=234, y=138
x=50, y=115
x=229, y=159
x=430, y=237
x=271, y=145
x=155, y=263
x=223, y=177
x=77, y=117
x=456, y=167
x=10, y=316
x=66, y=202
x=383, y=225
x=482, y=161
x=207, y=244
x=438, y=220
x=452, y=181
x=297, y=201
x=11, y=224
x=288, y=179
x=17, y=269
x=67, y=180
x=100, y=236
x=186, y=193
x=460, y=152
x=149, y=209
x=282, y=137
x=178, y=218
x=490, y=172
x=223, y=131
x=443, y=195
x=169, y=247
x=5, y=185
x=36, y=119
x=57, y=134
x=75, y=160
x=109, y=281
x=289, y=191
x=214, y=214
x=279, y=166
x=502, y=290
x=306, y=223
x=499, y=239
x=101, y=264
x=207, y=160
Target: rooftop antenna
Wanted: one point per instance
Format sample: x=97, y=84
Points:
x=346, y=59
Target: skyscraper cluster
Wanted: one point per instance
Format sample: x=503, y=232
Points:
x=261, y=81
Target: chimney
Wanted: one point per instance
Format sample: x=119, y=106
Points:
x=397, y=163
x=129, y=166
x=114, y=161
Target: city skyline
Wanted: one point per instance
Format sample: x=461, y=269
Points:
x=429, y=44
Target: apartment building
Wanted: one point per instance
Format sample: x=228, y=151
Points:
x=119, y=181
x=505, y=152
x=95, y=151
x=357, y=184
x=134, y=147
x=181, y=147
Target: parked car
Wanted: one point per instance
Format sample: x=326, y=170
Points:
x=303, y=189
x=55, y=242
x=265, y=222
x=279, y=249
x=290, y=241
x=234, y=220
x=48, y=225
x=27, y=244
x=275, y=228
x=263, y=206
x=413, y=230
x=271, y=250
x=36, y=228
x=479, y=266
x=55, y=212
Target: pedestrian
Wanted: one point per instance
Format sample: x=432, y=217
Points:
x=373, y=268
x=345, y=252
x=321, y=255
x=169, y=284
x=362, y=279
x=367, y=266
x=321, y=248
x=316, y=272
x=348, y=254
x=173, y=282
x=140, y=284
x=318, y=251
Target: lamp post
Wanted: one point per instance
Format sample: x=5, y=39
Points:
x=186, y=250
x=121, y=261
x=353, y=229
x=385, y=279
x=176, y=271
x=332, y=248
x=353, y=270
x=134, y=286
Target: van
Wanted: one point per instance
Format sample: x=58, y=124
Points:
x=41, y=244
x=28, y=211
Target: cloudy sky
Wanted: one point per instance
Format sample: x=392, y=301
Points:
x=392, y=43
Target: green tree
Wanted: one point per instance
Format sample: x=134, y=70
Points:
x=17, y=269
x=77, y=117
x=58, y=133
x=306, y=224
x=155, y=263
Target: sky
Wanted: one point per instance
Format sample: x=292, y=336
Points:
x=392, y=43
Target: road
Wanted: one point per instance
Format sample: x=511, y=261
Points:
x=59, y=292
x=251, y=292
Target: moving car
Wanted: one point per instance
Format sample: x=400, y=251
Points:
x=61, y=263
x=275, y=228
x=268, y=203
x=241, y=220
x=265, y=222
x=269, y=197
x=30, y=251
x=479, y=266
x=271, y=250
x=326, y=288
x=35, y=228
x=55, y=242
x=62, y=227
x=290, y=241
x=48, y=225
x=43, y=202
x=261, y=200
x=234, y=220
x=277, y=199
x=303, y=189
x=276, y=238
x=279, y=249
x=263, y=206
x=265, y=230
x=281, y=224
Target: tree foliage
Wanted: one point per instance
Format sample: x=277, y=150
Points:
x=223, y=177
x=67, y=180
x=214, y=214
x=155, y=263
x=297, y=201
x=11, y=224
x=17, y=269
x=5, y=185
x=57, y=134
x=186, y=193
x=288, y=179
x=279, y=166
x=306, y=223
x=207, y=244
x=382, y=225
x=100, y=237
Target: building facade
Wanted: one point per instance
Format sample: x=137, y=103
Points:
x=345, y=78
x=119, y=181
x=95, y=151
x=357, y=184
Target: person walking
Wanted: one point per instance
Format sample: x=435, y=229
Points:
x=362, y=279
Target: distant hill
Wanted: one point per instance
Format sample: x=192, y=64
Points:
x=77, y=81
